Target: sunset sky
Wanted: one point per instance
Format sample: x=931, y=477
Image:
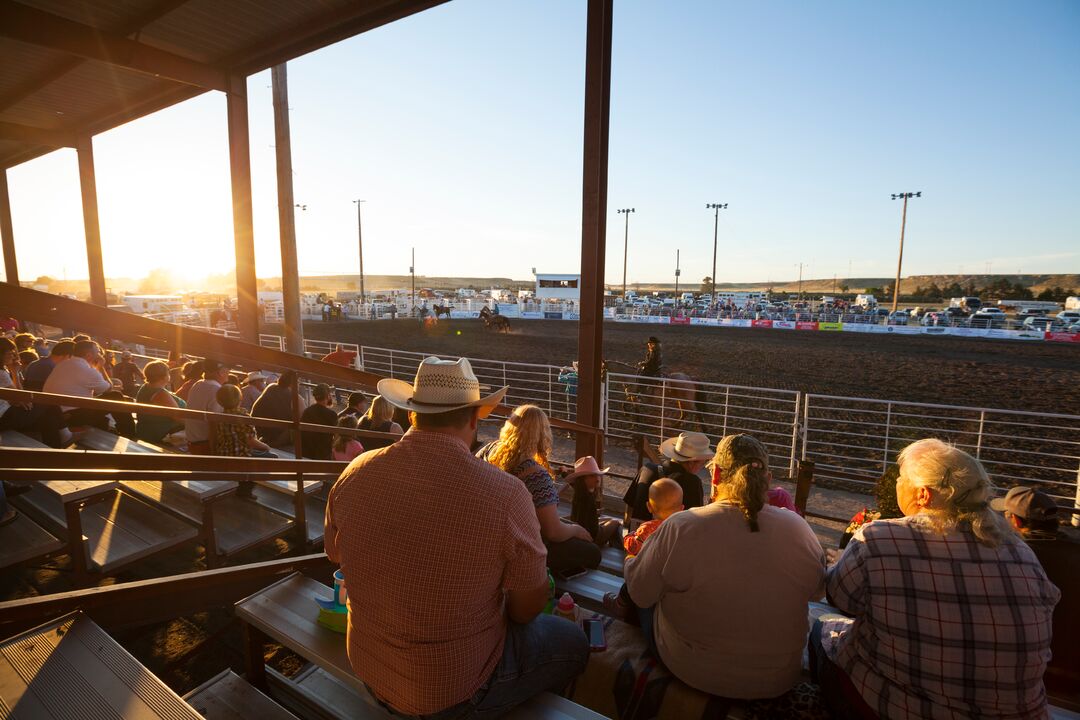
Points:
x=461, y=127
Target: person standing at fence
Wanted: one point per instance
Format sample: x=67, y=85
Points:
x=522, y=450
x=448, y=622
x=344, y=358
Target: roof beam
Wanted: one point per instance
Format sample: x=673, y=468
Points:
x=29, y=25
x=40, y=136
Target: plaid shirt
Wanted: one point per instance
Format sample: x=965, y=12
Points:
x=945, y=627
x=232, y=438
x=429, y=539
x=635, y=540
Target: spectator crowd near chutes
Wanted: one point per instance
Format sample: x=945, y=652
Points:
x=940, y=605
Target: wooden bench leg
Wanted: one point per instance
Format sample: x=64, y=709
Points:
x=300, y=508
x=254, y=658
x=210, y=536
x=76, y=546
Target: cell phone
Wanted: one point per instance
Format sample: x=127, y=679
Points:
x=594, y=631
x=573, y=573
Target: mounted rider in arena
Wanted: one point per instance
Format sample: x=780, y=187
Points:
x=653, y=361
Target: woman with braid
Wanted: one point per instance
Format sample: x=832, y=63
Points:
x=723, y=588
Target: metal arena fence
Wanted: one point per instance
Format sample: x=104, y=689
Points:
x=860, y=436
x=864, y=436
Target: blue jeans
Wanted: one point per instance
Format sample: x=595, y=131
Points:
x=544, y=655
x=647, y=618
x=837, y=693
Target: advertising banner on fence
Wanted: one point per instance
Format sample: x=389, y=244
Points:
x=761, y=323
x=934, y=330
x=899, y=329
x=803, y=325
x=571, y=316
x=679, y=320
x=550, y=315
x=464, y=315
x=704, y=321
x=834, y=326
x=783, y=324
x=858, y=327
x=1063, y=337
x=532, y=315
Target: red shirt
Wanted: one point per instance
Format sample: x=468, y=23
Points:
x=430, y=538
x=634, y=541
x=340, y=357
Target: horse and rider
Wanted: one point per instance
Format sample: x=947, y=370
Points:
x=494, y=321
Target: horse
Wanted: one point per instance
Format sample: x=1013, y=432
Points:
x=441, y=310
x=496, y=323
x=675, y=387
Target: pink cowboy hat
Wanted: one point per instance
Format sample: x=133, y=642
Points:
x=586, y=466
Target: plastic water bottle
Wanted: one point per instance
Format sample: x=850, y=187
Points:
x=566, y=608
x=551, y=595
x=341, y=594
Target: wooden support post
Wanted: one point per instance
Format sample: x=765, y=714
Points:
x=75, y=543
x=290, y=270
x=299, y=501
x=247, y=303
x=7, y=232
x=804, y=479
x=594, y=221
x=84, y=145
x=254, y=658
x=213, y=560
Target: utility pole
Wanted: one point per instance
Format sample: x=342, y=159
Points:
x=625, y=247
x=716, y=228
x=412, y=272
x=677, y=273
x=360, y=239
x=800, y=281
x=900, y=260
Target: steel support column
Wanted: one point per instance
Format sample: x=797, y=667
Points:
x=7, y=232
x=593, y=220
x=290, y=270
x=247, y=304
x=84, y=145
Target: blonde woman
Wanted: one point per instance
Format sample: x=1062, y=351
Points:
x=952, y=612
x=723, y=589
x=379, y=418
x=522, y=450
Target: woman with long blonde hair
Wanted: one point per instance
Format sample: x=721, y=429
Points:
x=947, y=603
x=523, y=449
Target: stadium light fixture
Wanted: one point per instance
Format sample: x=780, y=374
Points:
x=716, y=227
x=905, y=196
x=626, y=245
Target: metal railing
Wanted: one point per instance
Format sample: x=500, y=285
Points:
x=657, y=408
x=864, y=436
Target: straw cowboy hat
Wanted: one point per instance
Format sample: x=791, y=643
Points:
x=687, y=446
x=254, y=377
x=585, y=466
x=440, y=386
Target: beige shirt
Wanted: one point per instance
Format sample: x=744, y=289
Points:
x=731, y=616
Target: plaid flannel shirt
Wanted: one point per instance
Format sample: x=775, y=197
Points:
x=945, y=627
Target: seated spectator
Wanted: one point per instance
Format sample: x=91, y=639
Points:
x=41, y=347
x=15, y=415
x=1035, y=515
x=154, y=428
x=203, y=396
x=379, y=418
x=24, y=341
x=724, y=588
x=448, y=622
x=952, y=612
x=192, y=373
x=129, y=374
x=586, y=480
x=665, y=499
x=83, y=375
x=357, y=406
x=346, y=447
x=27, y=358
x=276, y=403
x=316, y=445
x=345, y=358
x=236, y=439
x=522, y=450
x=686, y=456
x=254, y=384
x=38, y=372
x=886, y=507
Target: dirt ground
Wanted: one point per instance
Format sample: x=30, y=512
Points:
x=1012, y=375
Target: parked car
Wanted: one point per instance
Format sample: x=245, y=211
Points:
x=900, y=317
x=934, y=317
x=1030, y=312
x=989, y=317
x=1069, y=317
x=1044, y=324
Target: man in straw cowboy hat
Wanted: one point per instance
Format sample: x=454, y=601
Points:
x=686, y=455
x=435, y=544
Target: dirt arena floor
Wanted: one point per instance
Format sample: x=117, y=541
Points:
x=1014, y=375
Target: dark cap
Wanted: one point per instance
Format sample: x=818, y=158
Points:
x=653, y=340
x=1028, y=503
x=209, y=367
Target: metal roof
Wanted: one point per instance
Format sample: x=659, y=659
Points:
x=73, y=68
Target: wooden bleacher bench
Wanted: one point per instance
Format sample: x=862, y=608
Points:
x=70, y=668
x=589, y=589
x=97, y=439
x=228, y=523
x=117, y=528
x=285, y=612
x=22, y=539
x=284, y=504
x=13, y=439
x=227, y=696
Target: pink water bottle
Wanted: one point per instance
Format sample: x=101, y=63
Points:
x=566, y=608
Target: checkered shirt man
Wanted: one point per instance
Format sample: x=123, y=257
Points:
x=232, y=438
x=430, y=538
x=945, y=627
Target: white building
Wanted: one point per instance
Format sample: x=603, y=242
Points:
x=557, y=287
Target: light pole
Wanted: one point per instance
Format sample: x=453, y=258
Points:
x=677, y=273
x=801, y=265
x=625, y=247
x=900, y=260
x=412, y=272
x=716, y=227
x=360, y=239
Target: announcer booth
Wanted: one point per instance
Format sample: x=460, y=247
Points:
x=557, y=287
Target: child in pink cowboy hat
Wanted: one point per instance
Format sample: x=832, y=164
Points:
x=587, y=483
